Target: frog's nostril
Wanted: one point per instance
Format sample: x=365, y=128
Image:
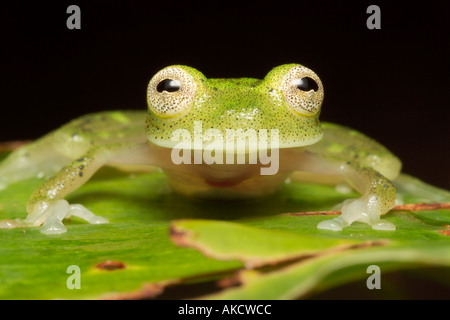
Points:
x=168, y=85
x=306, y=84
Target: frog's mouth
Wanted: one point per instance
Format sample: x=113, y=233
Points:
x=223, y=183
x=243, y=144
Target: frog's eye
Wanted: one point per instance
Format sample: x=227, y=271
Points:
x=302, y=90
x=306, y=84
x=171, y=91
x=168, y=85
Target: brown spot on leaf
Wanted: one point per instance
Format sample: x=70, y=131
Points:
x=446, y=231
x=111, y=265
x=12, y=145
x=178, y=236
x=313, y=213
x=370, y=243
x=422, y=206
x=233, y=281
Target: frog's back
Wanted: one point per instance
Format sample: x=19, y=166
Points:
x=351, y=145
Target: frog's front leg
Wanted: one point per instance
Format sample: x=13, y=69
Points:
x=47, y=155
x=378, y=193
x=47, y=206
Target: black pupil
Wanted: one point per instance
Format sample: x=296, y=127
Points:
x=306, y=84
x=168, y=85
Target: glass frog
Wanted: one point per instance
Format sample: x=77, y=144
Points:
x=284, y=107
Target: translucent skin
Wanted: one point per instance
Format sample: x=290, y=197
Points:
x=330, y=153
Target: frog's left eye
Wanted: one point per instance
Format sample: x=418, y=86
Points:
x=302, y=90
x=171, y=91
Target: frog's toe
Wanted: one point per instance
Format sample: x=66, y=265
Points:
x=51, y=215
x=82, y=212
x=383, y=225
x=53, y=226
x=335, y=224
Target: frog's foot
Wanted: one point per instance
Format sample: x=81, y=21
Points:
x=51, y=214
x=365, y=209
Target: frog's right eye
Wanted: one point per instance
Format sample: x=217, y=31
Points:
x=171, y=91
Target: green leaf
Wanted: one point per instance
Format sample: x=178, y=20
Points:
x=253, y=246
x=134, y=257
x=302, y=277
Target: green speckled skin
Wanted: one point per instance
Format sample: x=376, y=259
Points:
x=283, y=100
x=351, y=145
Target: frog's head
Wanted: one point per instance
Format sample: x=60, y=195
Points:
x=289, y=99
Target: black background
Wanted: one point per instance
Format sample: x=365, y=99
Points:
x=392, y=84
